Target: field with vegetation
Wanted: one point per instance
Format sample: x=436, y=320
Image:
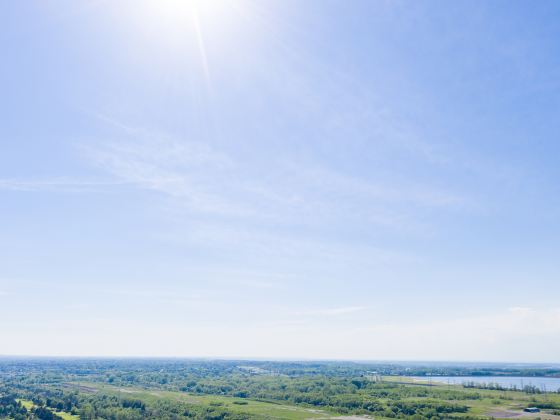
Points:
x=201, y=389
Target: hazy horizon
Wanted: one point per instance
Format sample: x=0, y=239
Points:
x=427, y=363
x=280, y=179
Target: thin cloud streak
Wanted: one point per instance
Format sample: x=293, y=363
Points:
x=58, y=185
x=207, y=181
x=333, y=312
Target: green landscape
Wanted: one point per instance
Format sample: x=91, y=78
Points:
x=229, y=389
x=280, y=209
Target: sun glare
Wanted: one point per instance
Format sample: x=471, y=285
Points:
x=180, y=26
x=173, y=23
x=178, y=9
x=181, y=13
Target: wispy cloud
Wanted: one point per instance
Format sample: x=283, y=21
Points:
x=153, y=294
x=184, y=170
x=204, y=180
x=337, y=311
x=294, y=246
x=57, y=185
x=502, y=335
x=522, y=311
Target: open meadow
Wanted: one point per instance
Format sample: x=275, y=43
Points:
x=173, y=389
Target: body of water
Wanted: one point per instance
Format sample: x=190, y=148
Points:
x=548, y=384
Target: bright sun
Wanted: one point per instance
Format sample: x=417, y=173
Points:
x=171, y=23
x=173, y=20
x=181, y=11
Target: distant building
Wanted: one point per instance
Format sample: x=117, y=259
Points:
x=532, y=410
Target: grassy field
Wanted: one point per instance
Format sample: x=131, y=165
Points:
x=66, y=416
x=270, y=409
x=27, y=404
x=496, y=404
x=491, y=404
x=222, y=390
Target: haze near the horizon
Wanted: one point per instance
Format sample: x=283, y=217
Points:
x=280, y=179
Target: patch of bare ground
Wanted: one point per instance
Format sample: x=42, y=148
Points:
x=503, y=414
x=79, y=387
x=128, y=391
x=353, y=418
x=508, y=414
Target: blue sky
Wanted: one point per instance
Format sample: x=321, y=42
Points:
x=281, y=179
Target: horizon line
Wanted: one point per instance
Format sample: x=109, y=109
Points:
x=274, y=359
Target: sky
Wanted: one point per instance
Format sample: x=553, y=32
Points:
x=320, y=179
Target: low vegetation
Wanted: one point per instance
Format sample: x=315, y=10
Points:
x=174, y=389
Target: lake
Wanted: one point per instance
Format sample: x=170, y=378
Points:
x=548, y=384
